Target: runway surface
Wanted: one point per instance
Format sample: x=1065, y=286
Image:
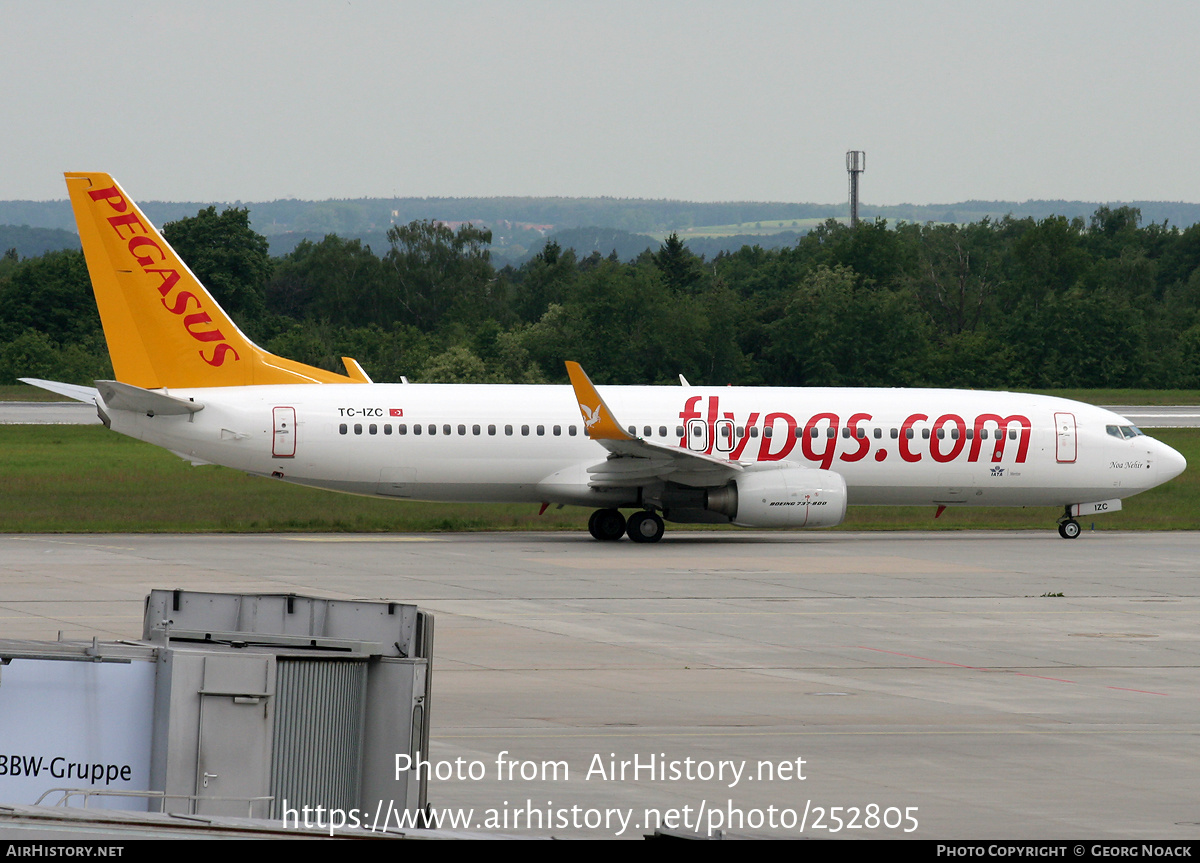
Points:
x=48, y=413
x=941, y=679
x=1160, y=416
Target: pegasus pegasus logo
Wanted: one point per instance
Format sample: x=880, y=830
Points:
x=592, y=415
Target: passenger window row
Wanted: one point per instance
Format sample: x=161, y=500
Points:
x=448, y=429
x=698, y=430
x=860, y=433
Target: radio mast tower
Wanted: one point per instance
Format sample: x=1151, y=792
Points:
x=856, y=163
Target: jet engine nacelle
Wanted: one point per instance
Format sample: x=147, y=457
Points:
x=786, y=497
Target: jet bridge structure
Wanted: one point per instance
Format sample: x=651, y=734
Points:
x=229, y=705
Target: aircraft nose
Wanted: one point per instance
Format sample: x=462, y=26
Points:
x=1170, y=463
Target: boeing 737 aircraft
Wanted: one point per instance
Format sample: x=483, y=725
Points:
x=188, y=380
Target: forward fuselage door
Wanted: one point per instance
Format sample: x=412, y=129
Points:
x=1065, y=444
x=283, y=440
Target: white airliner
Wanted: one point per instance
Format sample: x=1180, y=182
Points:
x=190, y=381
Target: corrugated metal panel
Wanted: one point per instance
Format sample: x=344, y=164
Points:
x=319, y=715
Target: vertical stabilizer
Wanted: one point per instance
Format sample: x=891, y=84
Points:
x=162, y=327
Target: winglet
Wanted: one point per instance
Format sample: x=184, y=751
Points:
x=598, y=420
x=355, y=371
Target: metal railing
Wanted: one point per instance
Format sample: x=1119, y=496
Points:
x=161, y=796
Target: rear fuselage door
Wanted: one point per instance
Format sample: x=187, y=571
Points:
x=283, y=440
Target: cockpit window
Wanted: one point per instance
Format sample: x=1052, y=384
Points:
x=1124, y=432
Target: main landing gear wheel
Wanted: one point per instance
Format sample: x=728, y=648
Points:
x=607, y=524
x=1069, y=529
x=645, y=526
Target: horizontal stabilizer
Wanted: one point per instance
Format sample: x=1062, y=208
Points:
x=71, y=391
x=126, y=397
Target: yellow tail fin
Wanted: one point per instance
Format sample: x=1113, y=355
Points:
x=162, y=327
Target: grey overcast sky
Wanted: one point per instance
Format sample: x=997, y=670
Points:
x=706, y=101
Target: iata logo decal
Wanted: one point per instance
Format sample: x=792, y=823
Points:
x=148, y=255
x=997, y=471
x=944, y=439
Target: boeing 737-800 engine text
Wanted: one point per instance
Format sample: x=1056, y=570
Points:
x=188, y=380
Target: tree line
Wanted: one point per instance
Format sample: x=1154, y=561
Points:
x=1005, y=303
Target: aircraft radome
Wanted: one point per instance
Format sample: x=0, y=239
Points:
x=188, y=380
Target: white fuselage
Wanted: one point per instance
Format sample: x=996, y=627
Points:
x=528, y=443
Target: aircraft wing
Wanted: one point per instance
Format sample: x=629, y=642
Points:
x=633, y=460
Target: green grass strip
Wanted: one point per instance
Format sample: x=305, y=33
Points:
x=70, y=479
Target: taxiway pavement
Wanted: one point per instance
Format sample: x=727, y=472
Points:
x=1003, y=685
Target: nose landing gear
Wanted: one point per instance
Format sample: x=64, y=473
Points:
x=1068, y=528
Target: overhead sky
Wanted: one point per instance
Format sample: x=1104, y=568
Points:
x=705, y=101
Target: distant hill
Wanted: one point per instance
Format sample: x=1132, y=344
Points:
x=606, y=241
x=710, y=247
x=35, y=242
x=628, y=246
x=520, y=226
x=1177, y=213
x=282, y=244
x=57, y=214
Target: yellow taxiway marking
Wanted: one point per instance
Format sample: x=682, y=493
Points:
x=762, y=565
x=364, y=539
